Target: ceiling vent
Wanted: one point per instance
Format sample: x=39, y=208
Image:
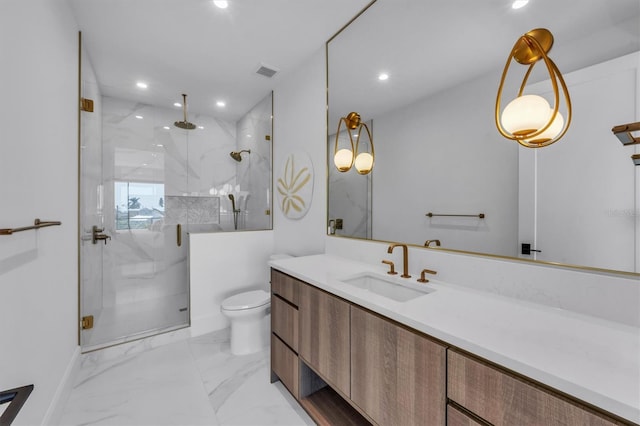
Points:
x=266, y=71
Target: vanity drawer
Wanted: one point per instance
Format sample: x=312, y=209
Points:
x=285, y=364
x=502, y=398
x=285, y=286
x=284, y=321
x=456, y=417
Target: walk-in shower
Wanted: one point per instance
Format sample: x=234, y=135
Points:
x=147, y=182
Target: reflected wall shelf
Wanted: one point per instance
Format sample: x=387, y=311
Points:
x=479, y=215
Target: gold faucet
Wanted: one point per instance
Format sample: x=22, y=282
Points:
x=422, y=279
x=405, y=258
x=428, y=243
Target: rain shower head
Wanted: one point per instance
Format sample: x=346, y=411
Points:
x=184, y=124
x=236, y=154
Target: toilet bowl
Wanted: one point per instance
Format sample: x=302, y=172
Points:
x=246, y=313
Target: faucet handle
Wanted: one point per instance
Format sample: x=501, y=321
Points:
x=428, y=243
x=392, y=270
x=422, y=278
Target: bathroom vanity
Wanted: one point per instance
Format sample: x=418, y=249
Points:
x=352, y=354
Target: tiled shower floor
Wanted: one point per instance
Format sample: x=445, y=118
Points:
x=191, y=382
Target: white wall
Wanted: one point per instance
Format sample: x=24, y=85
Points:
x=222, y=264
x=300, y=124
x=430, y=158
x=38, y=179
x=584, y=187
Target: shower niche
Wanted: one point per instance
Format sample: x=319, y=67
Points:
x=147, y=183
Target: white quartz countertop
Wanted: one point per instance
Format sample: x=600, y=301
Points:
x=594, y=360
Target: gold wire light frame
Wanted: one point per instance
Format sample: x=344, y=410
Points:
x=528, y=50
x=355, y=154
x=352, y=122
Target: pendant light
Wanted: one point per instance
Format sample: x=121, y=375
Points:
x=529, y=119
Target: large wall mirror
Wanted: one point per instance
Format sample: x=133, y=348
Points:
x=437, y=149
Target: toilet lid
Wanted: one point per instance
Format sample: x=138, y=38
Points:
x=247, y=300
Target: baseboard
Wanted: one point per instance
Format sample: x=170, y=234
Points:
x=59, y=400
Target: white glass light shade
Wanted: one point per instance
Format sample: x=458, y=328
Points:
x=343, y=159
x=525, y=114
x=364, y=163
x=552, y=131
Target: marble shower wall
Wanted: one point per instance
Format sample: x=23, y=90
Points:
x=172, y=167
x=255, y=170
x=143, y=149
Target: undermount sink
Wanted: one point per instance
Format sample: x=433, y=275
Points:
x=385, y=287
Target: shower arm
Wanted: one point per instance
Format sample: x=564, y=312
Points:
x=184, y=103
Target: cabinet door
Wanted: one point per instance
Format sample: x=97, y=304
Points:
x=324, y=336
x=284, y=363
x=397, y=376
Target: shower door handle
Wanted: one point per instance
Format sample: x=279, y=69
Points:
x=179, y=235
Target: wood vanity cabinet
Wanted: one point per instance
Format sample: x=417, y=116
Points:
x=385, y=373
x=325, y=336
x=502, y=398
x=284, y=330
x=397, y=375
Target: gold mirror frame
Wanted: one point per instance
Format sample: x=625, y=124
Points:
x=329, y=164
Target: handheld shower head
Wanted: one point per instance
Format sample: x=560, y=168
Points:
x=236, y=154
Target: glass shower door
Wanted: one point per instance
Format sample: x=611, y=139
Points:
x=140, y=282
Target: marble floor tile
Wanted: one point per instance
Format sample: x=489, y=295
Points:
x=239, y=387
x=191, y=382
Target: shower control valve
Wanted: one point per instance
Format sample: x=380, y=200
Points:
x=96, y=234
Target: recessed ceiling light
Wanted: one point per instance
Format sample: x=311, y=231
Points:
x=142, y=85
x=159, y=145
x=166, y=127
x=177, y=104
x=200, y=127
x=222, y=4
x=383, y=76
x=221, y=103
x=139, y=117
x=517, y=4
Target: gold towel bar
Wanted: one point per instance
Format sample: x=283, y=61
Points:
x=36, y=225
x=480, y=215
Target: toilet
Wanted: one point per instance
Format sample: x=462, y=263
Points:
x=246, y=313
